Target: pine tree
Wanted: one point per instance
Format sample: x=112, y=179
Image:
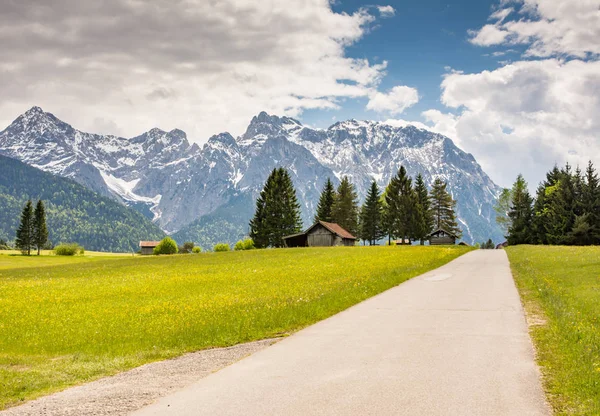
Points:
x=400, y=206
x=25, y=236
x=559, y=210
x=591, y=202
x=325, y=203
x=277, y=211
x=520, y=214
x=344, y=210
x=442, y=206
x=424, y=217
x=40, y=229
x=370, y=216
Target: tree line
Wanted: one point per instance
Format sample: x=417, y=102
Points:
x=33, y=230
x=402, y=211
x=565, y=210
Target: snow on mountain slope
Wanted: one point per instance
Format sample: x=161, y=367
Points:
x=176, y=183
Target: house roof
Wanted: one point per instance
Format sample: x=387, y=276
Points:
x=442, y=230
x=149, y=243
x=334, y=228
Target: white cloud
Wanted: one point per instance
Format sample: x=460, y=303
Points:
x=202, y=66
x=548, y=27
x=524, y=117
x=386, y=11
x=395, y=101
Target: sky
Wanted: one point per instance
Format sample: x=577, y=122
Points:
x=516, y=83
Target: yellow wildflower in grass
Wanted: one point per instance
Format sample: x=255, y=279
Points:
x=78, y=319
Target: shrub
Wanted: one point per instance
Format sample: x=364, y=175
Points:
x=247, y=244
x=166, y=246
x=187, y=247
x=197, y=250
x=221, y=247
x=68, y=249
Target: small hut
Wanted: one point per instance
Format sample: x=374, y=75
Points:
x=147, y=247
x=321, y=234
x=441, y=237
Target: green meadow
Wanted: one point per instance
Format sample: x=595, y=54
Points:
x=560, y=288
x=65, y=321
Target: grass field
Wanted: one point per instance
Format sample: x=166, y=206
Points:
x=11, y=259
x=64, y=324
x=560, y=288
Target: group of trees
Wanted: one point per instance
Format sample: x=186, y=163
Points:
x=402, y=210
x=565, y=210
x=32, y=231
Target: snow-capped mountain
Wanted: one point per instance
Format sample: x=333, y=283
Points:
x=179, y=184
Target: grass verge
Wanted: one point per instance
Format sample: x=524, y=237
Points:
x=72, y=323
x=560, y=289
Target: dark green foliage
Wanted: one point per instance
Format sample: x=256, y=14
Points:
x=325, y=203
x=344, y=211
x=4, y=244
x=40, y=229
x=566, y=210
x=166, y=246
x=186, y=248
x=400, y=207
x=520, y=228
x=277, y=211
x=221, y=247
x=74, y=213
x=442, y=207
x=68, y=249
x=25, y=236
x=370, y=216
x=424, y=215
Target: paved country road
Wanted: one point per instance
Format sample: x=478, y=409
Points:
x=451, y=342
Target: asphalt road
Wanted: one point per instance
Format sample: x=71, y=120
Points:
x=451, y=342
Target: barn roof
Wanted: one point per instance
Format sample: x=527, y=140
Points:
x=437, y=231
x=334, y=228
x=149, y=243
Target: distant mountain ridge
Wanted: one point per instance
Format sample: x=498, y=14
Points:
x=74, y=212
x=182, y=186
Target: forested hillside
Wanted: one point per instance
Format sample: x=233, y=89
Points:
x=75, y=214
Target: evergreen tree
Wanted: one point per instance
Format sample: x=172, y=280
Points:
x=325, y=203
x=520, y=214
x=424, y=217
x=370, y=216
x=40, y=229
x=277, y=211
x=541, y=206
x=591, y=202
x=344, y=210
x=560, y=215
x=25, y=232
x=401, y=206
x=442, y=206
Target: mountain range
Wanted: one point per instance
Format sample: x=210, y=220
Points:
x=206, y=193
x=74, y=212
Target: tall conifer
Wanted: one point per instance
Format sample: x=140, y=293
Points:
x=40, y=229
x=277, y=211
x=424, y=217
x=344, y=211
x=370, y=216
x=325, y=202
x=25, y=232
x=520, y=214
x=442, y=206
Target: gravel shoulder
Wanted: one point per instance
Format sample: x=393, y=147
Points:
x=134, y=389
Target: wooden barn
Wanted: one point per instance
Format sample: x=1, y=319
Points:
x=321, y=234
x=441, y=237
x=147, y=247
